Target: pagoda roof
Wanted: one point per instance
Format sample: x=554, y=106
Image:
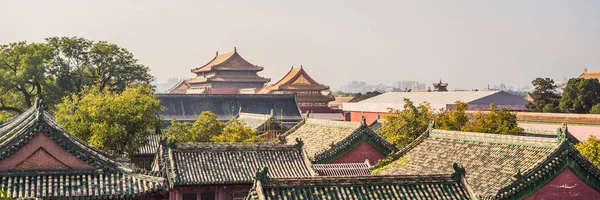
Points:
x=226, y=78
x=493, y=162
x=327, y=140
x=104, y=178
x=227, y=106
x=230, y=163
x=360, y=187
x=295, y=79
x=231, y=61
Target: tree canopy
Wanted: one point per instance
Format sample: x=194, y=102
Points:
x=237, y=131
x=545, y=98
x=117, y=123
x=203, y=129
x=580, y=95
x=401, y=127
x=207, y=128
x=62, y=66
x=590, y=148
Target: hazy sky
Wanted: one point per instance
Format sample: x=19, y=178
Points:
x=468, y=44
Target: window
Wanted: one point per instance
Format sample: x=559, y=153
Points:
x=207, y=196
x=235, y=195
x=189, y=196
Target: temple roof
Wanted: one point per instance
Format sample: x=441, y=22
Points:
x=227, y=106
x=343, y=169
x=326, y=140
x=361, y=187
x=318, y=135
x=230, y=163
x=228, y=61
x=104, y=178
x=491, y=160
x=295, y=79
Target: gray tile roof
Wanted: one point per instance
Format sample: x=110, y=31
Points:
x=343, y=169
x=491, y=160
x=231, y=163
x=226, y=106
x=108, y=179
x=255, y=121
x=362, y=187
x=151, y=147
x=319, y=135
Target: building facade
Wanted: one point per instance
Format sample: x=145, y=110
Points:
x=308, y=91
x=224, y=74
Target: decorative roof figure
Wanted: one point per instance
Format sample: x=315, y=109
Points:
x=440, y=87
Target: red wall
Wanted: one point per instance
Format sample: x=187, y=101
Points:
x=357, y=116
x=565, y=186
x=364, y=151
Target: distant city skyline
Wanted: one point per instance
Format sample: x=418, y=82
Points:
x=468, y=44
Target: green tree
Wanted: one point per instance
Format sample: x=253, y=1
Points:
x=495, y=121
x=61, y=67
x=237, y=131
x=580, y=95
x=117, y=123
x=403, y=127
x=203, y=129
x=545, y=98
x=590, y=148
x=595, y=109
x=79, y=62
x=23, y=77
x=453, y=119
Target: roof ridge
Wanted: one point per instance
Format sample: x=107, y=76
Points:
x=362, y=133
x=494, y=138
x=235, y=146
x=351, y=180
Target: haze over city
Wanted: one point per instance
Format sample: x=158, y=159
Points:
x=469, y=44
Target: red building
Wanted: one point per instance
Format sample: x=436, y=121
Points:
x=224, y=74
x=308, y=91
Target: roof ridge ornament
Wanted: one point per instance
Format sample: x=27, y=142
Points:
x=431, y=125
x=561, y=133
x=39, y=106
x=262, y=175
x=234, y=49
x=299, y=143
x=363, y=121
x=459, y=172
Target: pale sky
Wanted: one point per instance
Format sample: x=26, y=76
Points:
x=468, y=44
